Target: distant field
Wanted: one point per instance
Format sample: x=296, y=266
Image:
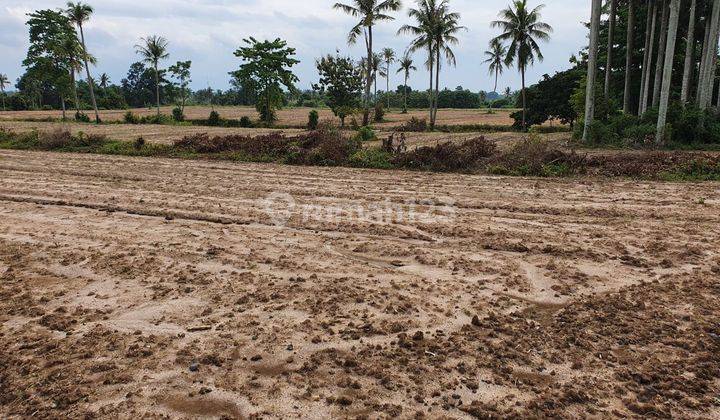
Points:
x=291, y=116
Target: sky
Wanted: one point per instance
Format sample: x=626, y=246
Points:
x=209, y=31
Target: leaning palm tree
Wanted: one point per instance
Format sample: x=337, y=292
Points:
x=447, y=26
x=370, y=13
x=406, y=66
x=80, y=13
x=496, y=59
x=4, y=81
x=153, y=49
x=523, y=29
x=388, y=56
x=72, y=53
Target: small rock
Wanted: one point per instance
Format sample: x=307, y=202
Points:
x=194, y=367
x=475, y=321
x=256, y=358
x=418, y=336
x=290, y=347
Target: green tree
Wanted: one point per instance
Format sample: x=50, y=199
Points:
x=180, y=71
x=4, y=81
x=265, y=71
x=388, y=56
x=496, y=59
x=370, y=12
x=406, y=66
x=342, y=83
x=153, y=49
x=523, y=29
x=80, y=13
x=104, y=80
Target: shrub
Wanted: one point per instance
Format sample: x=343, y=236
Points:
x=55, y=139
x=366, y=134
x=245, y=122
x=139, y=143
x=313, y=119
x=81, y=117
x=640, y=134
x=379, y=115
x=415, y=125
x=131, y=118
x=534, y=156
x=89, y=140
x=161, y=119
x=465, y=156
x=178, y=115
x=371, y=158
x=213, y=119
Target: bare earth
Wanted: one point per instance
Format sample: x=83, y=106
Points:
x=146, y=287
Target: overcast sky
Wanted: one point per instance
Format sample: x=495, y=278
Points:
x=209, y=31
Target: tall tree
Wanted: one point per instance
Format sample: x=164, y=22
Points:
x=496, y=59
x=648, y=55
x=689, y=54
x=422, y=30
x=610, y=44
x=104, y=80
x=406, y=66
x=667, y=70
x=523, y=29
x=80, y=13
x=266, y=69
x=629, y=41
x=447, y=26
x=4, y=81
x=341, y=81
x=592, y=66
x=707, y=77
x=370, y=13
x=153, y=49
x=660, y=63
x=388, y=56
x=180, y=71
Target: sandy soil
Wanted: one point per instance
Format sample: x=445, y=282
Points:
x=145, y=287
x=290, y=116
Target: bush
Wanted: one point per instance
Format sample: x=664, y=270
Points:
x=89, y=140
x=213, y=119
x=415, y=125
x=466, y=156
x=534, y=156
x=313, y=119
x=366, y=134
x=139, y=143
x=371, y=158
x=245, y=122
x=131, y=118
x=379, y=115
x=161, y=119
x=55, y=139
x=178, y=115
x=640, y=134
x=81, y=117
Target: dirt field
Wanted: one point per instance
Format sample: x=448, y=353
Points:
x=146, y=287
x=290, y=116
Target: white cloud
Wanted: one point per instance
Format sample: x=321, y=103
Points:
x=208, y=31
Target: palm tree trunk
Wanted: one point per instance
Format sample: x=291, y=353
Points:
x=648, y=55
x=667, y=71
x=431, y=92
x=405, y=91
x=89, y=78
x=611, y=38
x=2, y=93
x=524, y=99
x=496, y=79
x=703, y=63
x=659, y=65
x=592, y=68
x=368, y=82
x=437, y=84
x=62, y=104
x=387, y=79
x=157, y=88
x=689, y=53
x=74, y=88
x=628, y=56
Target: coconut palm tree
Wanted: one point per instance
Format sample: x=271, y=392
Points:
x=522, y=28
x=370, y=13
x=388, y=56
x=153, y=49
x=496, y=59
x=80, y=13
x=4, y=81
x=72, y=53
x=406, y=66
x=611, y=42
x=659, y=65
x=377, y=70
x=104, y=80
x=592, y=67
x=446, y=29
x=689, y=54
x=424, y=16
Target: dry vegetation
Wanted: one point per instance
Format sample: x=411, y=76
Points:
x=150, y=287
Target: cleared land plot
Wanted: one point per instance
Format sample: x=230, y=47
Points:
x=289, y=116
x=145, y=287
